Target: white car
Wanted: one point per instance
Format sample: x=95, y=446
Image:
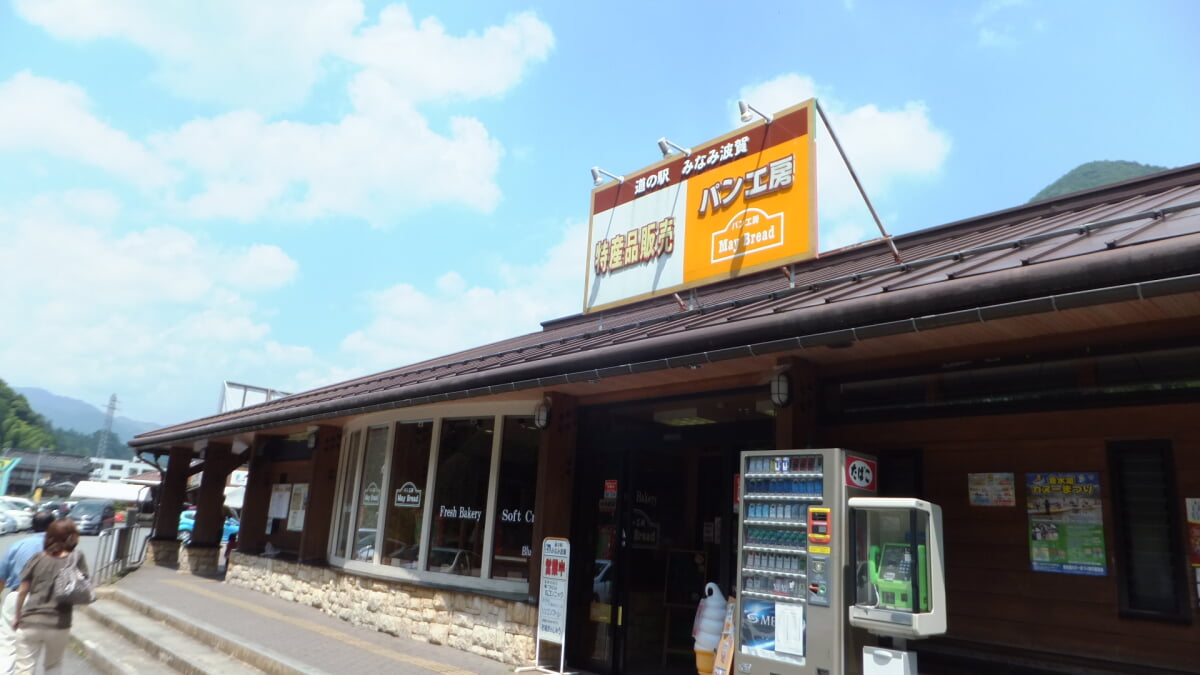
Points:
x=16, y=511
x=7, y=524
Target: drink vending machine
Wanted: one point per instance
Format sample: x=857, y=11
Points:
x=793, y=574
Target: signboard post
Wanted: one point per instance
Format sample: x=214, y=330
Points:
x=552, y=603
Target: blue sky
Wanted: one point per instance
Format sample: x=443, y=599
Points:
x=289, y=193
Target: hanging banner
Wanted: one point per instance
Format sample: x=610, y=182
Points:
x=739, y=204
x=1066, y=523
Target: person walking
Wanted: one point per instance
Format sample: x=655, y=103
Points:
x=43, y=626
x=10, y=570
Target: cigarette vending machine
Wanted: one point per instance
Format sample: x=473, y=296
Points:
x=793, y=574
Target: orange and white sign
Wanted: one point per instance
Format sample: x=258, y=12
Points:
x=739, y=204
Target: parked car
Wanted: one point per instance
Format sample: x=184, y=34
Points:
x=7, y=524
x=16, y=511
x=93, y=516
x=187, y=522
x=59, y=509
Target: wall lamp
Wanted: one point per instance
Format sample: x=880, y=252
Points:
x=667, y=146
x=781, y=389
x=598, y=175
x=748, y=112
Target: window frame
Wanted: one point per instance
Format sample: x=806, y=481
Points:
x=338, y=551
x=1122, y=540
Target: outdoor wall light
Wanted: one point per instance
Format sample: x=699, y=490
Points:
x=667, y=146
x=598, y=175
x=781, y=389
x=748, y=112
x=541, y=414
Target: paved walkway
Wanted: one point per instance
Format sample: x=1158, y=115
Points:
x=303, y=634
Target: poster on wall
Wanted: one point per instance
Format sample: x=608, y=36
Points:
x=1066, y=523
x=281, y=498
x=1193, y=518
x=297, y=507
x=991, y=489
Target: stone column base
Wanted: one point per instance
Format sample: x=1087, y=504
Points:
x=163, y=552
x=200, y=560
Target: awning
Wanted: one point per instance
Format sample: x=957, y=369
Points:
x=121, y=492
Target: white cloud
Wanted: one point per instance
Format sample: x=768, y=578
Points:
x=377, y=167
x=409, y=326
x=140, y=311
x=42, y=114
x=887, y=147
x=995, y=37
x=267, y=54
x=996, y=28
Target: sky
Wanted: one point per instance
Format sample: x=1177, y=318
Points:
x=292, y=193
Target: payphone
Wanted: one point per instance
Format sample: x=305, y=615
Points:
x=794, y=570
x=904, y=595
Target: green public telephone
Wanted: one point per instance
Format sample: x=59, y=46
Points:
x=891, y=571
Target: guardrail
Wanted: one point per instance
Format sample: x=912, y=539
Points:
x=118, y=549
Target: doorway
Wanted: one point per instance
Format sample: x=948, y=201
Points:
x=653, y=523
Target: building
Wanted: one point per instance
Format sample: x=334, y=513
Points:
x=115, y=470
x=1053, y=341
x=25, y=471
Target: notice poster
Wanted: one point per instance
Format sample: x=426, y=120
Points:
x=281, y=498
x=759, y=626
x=1193, y=518
x=991, y=489
x=1066, y=523
x=297, y=507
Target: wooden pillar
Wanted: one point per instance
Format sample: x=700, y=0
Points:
x=796, y=422
x=555, y=480
x=210, y=503
x=170, y=497
x=314, y=540
x=252, y=536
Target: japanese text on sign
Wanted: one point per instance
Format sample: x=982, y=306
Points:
x=552, y=600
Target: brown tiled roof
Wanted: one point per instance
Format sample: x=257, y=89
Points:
x=1078, y=243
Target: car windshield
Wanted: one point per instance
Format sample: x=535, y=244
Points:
x=85, y=509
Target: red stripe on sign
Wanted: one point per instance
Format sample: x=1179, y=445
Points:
x=759, y=138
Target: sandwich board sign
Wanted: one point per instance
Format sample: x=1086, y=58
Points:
x=552, y=602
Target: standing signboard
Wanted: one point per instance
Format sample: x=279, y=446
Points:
x=552, y=602
x=738, y=204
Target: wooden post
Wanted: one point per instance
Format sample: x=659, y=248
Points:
x=555, y=480
x=170, y=497
x=219, y=461
x=253, y=533
x=796, y=422
x=314, y=541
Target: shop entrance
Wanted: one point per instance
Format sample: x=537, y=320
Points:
x=653, y=522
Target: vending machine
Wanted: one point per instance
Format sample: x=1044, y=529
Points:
x=794, y=571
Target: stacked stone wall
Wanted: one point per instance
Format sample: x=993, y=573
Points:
x=502, y=630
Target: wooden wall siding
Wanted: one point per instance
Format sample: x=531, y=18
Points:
x=994, y=596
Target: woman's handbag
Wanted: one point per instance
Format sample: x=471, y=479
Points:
x=71, y=585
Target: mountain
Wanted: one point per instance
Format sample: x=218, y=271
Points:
x=1095, y=174
x=70, y=413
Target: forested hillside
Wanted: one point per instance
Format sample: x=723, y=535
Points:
x=1095, y=174
x=24, y=429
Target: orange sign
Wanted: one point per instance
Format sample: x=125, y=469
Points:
x=742, y=203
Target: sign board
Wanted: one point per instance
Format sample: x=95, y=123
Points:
x=736, y=205
x=407, y=496
x=552, y=600
x=861, y=473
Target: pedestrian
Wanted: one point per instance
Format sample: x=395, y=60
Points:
x=43, y=626
x=10, y=570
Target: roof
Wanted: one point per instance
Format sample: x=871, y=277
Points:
x=1140, y=236
x=121, y=492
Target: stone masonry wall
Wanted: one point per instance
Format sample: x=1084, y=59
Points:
x=501, y=630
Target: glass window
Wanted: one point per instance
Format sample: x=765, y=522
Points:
x=346, y=508
x=515, y=498
x=460, y=496
x=406, y=500
x=370, y=488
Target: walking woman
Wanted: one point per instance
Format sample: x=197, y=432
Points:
x=42, y=623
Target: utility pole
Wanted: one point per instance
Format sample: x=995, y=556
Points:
x=102, y=450
x=37, y=472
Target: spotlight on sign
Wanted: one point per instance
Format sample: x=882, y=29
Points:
x=667, y=147
x=748, y=112
x=598, y=175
